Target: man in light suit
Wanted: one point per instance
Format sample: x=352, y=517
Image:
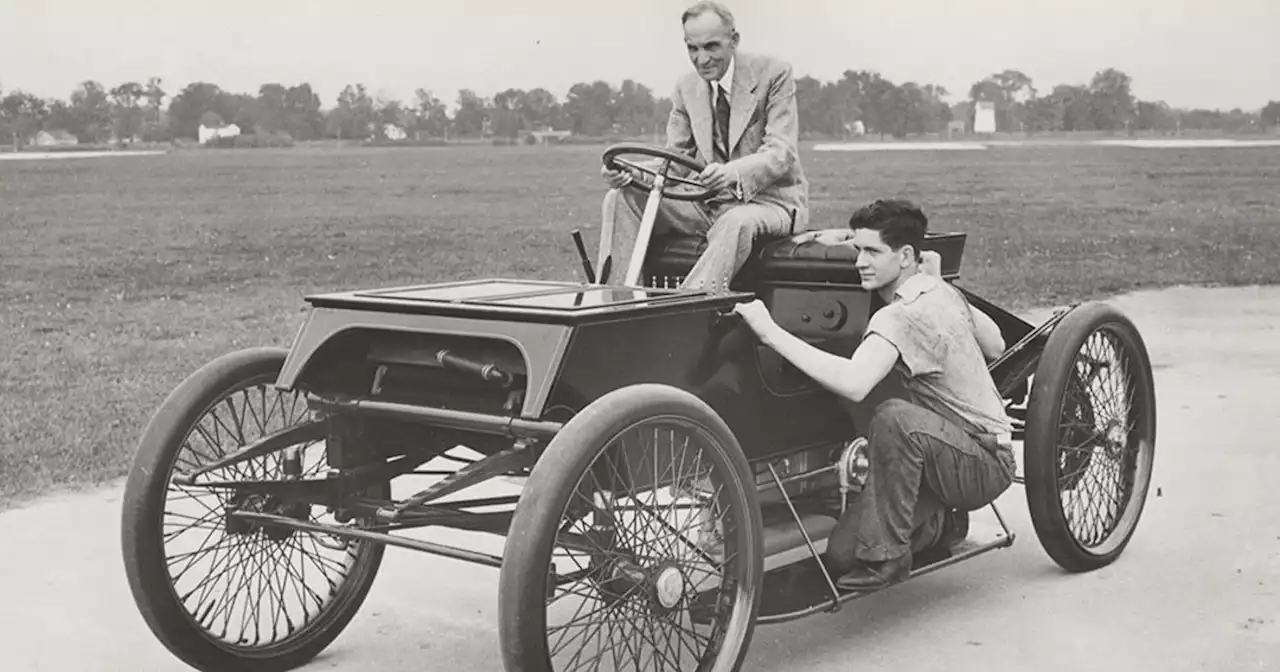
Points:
x=737, y=113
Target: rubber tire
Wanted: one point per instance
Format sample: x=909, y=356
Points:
x=143, y=514
x=522, y=585
x=1044, y=410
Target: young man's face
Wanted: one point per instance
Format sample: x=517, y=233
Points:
x=878, y=265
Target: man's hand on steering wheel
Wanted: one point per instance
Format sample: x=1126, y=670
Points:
x=646, y=174
x=717, y=176
x=617, y=179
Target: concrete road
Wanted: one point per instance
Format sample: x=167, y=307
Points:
x=1198, y=589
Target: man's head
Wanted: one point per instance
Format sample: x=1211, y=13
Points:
x=888, y=235
x=710, y=37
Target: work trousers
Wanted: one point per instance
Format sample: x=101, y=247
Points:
x=731, y=229
x=920, y=465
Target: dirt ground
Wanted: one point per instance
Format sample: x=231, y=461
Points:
x=1198, y=589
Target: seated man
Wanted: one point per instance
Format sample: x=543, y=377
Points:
x=944, y=444
x=738, y=114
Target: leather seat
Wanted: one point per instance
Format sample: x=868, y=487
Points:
x=786, y=259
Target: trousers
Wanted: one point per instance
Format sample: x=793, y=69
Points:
x=920, y=464
x=730, y=229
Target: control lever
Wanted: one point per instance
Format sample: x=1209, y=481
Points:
x=605, y=269
x=582, y=254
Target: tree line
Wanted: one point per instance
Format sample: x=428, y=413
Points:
x=859, y=101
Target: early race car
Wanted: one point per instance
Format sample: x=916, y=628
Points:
x=661, y=482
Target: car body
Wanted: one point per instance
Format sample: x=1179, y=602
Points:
x=568, y=388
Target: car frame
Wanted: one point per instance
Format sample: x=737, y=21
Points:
x=567, y=398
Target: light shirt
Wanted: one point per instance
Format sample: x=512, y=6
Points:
x=941, y=362
x=726, y=83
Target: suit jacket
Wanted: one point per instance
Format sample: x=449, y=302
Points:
x=764, y=130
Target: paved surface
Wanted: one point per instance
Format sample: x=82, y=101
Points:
x=1198, y=589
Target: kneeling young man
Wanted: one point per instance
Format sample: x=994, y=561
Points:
x=940, y=445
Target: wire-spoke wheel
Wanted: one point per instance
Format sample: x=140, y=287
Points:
x=220, y=592
x=636, y=545
x=1090, y=439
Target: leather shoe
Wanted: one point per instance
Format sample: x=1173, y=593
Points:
x=955, y=528
x=868, y=575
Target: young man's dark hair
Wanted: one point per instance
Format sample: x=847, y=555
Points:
x=899, y=221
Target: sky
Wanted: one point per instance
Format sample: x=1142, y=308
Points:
x=1188, y=53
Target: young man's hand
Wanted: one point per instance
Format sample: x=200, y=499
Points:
x=756, y=315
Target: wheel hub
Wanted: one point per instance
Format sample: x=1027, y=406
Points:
x=663, y=586
x=1116, y=438
x=669, y=587
x=256, y=503
x=618, y=578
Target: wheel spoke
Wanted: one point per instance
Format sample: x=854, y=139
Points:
x=247, y=586
x=641, y=512
x=1097, y=447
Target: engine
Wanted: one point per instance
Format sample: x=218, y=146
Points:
x=827, y=477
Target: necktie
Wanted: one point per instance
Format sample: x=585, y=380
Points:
x=721, y=139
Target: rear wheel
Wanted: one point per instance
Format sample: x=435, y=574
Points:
x=636, y=543
x=1090, y=438
x=221, y=593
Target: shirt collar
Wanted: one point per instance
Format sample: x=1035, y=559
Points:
x=915, y=286
x=726, y=82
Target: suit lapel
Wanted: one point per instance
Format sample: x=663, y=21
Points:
x=698, y=93
x=744, y=99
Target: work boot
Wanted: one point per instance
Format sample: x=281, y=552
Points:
x=955, y=528
x=873, y=575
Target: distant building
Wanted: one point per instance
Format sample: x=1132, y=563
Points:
x=55, y=138
x=208, y=133
x=393, y=132
x=984, y=117
x=541, y=137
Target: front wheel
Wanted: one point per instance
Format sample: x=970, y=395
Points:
x=1090, y=438
x=220, y=593
x=636, y=544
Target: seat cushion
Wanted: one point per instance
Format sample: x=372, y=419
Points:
x=787, y=259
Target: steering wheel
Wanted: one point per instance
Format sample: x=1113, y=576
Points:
x=668, y=157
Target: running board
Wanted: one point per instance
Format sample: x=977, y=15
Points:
x=796, y=583
x=784, y=543
x=805, y=601
x=806, y=587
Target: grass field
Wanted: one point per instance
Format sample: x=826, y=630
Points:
x=122, y=275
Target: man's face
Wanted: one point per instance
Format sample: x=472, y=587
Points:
x=877, y=264
x=711, y=45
